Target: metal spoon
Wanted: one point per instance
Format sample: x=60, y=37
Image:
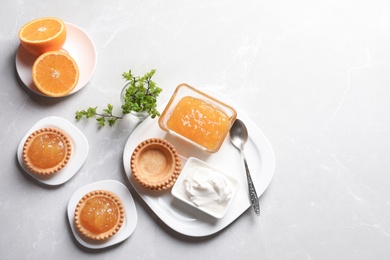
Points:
x=238, y=137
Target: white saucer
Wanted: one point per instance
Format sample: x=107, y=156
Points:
x=79, y=154
x=78, y=44
x=130, y=212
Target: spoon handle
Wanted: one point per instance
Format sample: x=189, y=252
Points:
x=252, y=190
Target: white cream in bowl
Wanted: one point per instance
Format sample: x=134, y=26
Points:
x=205, y=188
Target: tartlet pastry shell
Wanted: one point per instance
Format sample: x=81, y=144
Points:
x=52, y=170
x=155, y=164
x=102, y=236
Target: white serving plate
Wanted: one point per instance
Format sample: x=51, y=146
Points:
x=78, y=157
x=78, y=44
x=131, y=218
x=184, y=218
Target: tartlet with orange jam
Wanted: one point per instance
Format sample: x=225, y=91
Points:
x=47, y=151
x=99, y=215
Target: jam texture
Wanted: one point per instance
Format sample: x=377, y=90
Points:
x=199, y=122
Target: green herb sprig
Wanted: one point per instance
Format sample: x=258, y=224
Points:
x=100, y=117
x=140, y=96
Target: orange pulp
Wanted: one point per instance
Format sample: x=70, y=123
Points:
x=55, y=73
x=42, y=35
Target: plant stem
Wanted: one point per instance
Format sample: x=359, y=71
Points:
x=108, y=115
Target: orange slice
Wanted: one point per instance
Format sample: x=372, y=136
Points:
x=55, y=73
x=42, y=35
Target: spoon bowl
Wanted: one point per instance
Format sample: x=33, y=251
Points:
x=238, y=137
x=238, y=134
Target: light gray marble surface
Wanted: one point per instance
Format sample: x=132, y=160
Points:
x=313, y=76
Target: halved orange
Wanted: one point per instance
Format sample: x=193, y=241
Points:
x=42, y=35
x=55, y=73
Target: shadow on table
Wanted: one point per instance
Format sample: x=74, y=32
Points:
x=30, y=178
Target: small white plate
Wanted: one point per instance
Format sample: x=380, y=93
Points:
x=178, y=190
x=186, y=219
x=79, y=154
x=130, y=212
x=78, y=44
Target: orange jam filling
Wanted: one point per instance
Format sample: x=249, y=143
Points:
x=99, y=215
x=199, y=121
x=47, y=150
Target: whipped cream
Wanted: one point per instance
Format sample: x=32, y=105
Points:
x=207, y=188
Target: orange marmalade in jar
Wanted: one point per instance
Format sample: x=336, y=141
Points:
x=200, y=122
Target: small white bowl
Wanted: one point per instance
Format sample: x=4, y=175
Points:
x=205, y=188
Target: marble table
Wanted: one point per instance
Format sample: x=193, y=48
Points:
x=313, y=76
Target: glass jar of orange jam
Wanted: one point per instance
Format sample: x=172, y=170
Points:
x=198, y=118
x=199, y=121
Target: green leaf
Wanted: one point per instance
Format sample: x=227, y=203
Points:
x=91, y=112
x=79, y=115
x=101, y=121
x=111, y=121
x=110, y=107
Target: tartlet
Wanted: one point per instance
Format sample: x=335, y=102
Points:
x=46, y=151
x=155, y=164
x=99, y=215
